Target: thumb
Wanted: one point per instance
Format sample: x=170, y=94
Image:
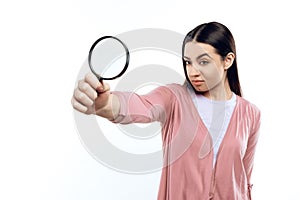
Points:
x=103, y=87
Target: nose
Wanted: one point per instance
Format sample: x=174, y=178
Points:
x=193, y=71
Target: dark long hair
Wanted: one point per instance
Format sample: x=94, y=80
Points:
x=220, y=37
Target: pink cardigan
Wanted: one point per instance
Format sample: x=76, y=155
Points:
x=188, y=172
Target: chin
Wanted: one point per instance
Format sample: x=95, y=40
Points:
x=200, y=90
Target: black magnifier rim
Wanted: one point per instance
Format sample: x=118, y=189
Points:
x=91, y=52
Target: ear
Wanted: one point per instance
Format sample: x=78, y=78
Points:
x=228, y=60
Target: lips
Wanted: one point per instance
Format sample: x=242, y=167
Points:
x=197, y=82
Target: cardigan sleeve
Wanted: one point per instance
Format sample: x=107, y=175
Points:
x=251, y=146
x=151, y=107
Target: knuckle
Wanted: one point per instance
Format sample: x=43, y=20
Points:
x=88, y=76
x=83, y=86
x=80, y=82
x=78, y=106
x=78, y=95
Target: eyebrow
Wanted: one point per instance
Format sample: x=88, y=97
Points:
x=200, y=56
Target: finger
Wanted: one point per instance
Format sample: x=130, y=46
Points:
x=82, y=98
x=78, y=106
x=87, y=89
x=105, y=88
x=91, y=79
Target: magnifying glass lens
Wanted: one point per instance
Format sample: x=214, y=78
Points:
x=108, y=58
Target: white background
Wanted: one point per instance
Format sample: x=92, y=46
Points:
x=43, y=45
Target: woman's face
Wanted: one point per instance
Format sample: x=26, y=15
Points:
x=205, y=68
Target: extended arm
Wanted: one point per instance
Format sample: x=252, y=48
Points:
x=93, y=97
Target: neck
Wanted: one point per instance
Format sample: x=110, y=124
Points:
x=220, y=92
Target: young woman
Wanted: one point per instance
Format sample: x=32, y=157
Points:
x=209, y=131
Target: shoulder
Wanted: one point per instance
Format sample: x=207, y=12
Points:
x=163, y=93
x=179, y=91
x=247, y=104
x=173, y=92
x=173, y=89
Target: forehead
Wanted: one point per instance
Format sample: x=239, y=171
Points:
x=194, y=49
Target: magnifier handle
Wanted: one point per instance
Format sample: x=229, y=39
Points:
x=99, y=78
x=101, y=81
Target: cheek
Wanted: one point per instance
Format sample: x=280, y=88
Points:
x=188, y=71
x=212, y=75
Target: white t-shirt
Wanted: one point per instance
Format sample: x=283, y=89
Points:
x=216, y=116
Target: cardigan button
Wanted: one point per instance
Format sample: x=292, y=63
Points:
x=211, y=196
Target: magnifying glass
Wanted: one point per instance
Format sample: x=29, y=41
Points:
x=108, y=58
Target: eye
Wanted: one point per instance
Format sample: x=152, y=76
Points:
x=203, y=62
x=187, y=62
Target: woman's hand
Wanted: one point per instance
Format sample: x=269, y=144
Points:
x=93, y=97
